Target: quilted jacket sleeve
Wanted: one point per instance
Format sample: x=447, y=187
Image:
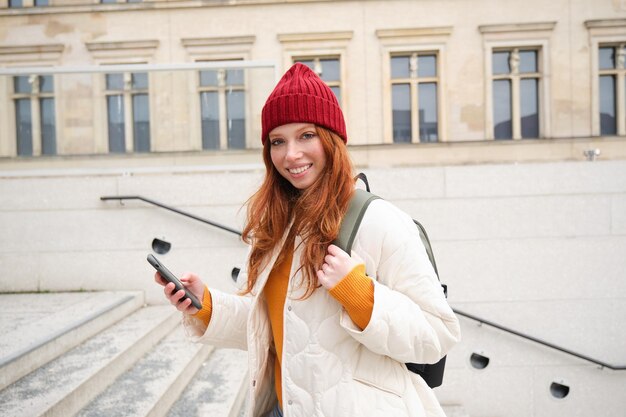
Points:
x=227, y=327
x=411, y=320
x=228, y=324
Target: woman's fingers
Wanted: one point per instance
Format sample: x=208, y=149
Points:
x=158, y=279
x=177, y=298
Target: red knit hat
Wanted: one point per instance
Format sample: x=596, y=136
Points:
x=302, y=97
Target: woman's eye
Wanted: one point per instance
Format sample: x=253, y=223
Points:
x=276, y=142
x=308, y=135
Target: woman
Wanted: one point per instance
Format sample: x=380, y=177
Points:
x=327, y=332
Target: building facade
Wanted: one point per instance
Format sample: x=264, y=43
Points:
x=405, y=72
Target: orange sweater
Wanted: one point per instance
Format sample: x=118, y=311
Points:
x=355, y=292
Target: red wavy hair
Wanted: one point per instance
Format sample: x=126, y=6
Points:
x=316, y=212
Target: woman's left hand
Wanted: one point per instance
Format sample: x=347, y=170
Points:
x=337, y=264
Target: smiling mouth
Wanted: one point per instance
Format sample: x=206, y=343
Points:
x=300, y=170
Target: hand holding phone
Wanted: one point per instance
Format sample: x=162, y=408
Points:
x=170, y=277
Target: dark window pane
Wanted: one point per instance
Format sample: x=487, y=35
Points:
x=208, y=78
x=427, y=96
x=608, y=121
x=209, y=113
x=400, y=67
x=308, y=62
x=330, y=70
x=529, y=92
x=236, y=119
x=46, y=84
x=141, y=123
x=115, y=110
x=23, y=123
x=427, y=66
x=108, y=1
x=139, y=80
x=115, y=82
x=502, y=126
x=48, y=131
x=528, y=61
x=337, y=91
x=607, y=58
x=500, y=62
x=21, y=84
x=401, y=112
x=16, y=3
x=234, y=77
x=41, y=2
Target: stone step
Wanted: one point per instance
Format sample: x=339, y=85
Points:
x=66, y=384
x=218, y=388
x=37, y=328
x=154, y=383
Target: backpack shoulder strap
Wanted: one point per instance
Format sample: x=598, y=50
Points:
x=352, y=220
x=426, y=242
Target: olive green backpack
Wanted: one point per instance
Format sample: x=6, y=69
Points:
x=431, y=373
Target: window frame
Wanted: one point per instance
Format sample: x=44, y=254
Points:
x=120, y=53
x=414, y=82
x=520, y=36
x=619, y=72
x=35, y=96
x=234, y=48
x=424, y=41
x=606, y=32
x=516, y=78
x=221, y=89
x=28, y=56
x=128, y=92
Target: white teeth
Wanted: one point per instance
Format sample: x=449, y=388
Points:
x=300, y=170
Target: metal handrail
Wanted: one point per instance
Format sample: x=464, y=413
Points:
x=175, y=210
x=541, y=342
x=456, y=311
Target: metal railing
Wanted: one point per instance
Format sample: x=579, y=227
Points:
x=480, y=320
x=175, y=210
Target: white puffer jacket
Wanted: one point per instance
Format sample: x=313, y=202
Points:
x=330, y=367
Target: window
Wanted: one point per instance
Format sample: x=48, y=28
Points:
x=328, y=69
x=33, y=97
x=16, y=4
x=222, y=108
x=414, y=92
x=611, y=74
x=128, y=130
x=515, y=87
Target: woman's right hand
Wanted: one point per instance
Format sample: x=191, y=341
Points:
x=192, y=282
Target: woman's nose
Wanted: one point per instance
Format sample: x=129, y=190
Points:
x=293, y=152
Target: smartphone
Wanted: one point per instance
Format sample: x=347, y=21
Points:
x=169, y=277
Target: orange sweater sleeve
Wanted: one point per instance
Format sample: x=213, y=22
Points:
x=355, y=292
x=204, y=314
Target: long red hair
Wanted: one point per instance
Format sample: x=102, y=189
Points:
x=316, y=212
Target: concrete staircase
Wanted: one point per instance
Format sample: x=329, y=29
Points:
x=107, y=354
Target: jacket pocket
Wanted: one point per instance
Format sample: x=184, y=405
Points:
x=377, y=386
x=380, y=372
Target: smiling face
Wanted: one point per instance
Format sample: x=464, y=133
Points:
x=297, y=153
